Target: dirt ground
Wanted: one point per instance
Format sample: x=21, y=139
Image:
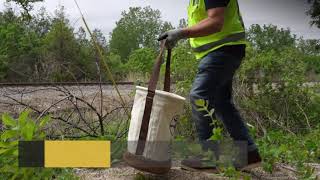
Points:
x=123, y=172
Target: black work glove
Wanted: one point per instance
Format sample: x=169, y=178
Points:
x=172, y=37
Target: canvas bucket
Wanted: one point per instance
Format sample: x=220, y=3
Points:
x=153, y=119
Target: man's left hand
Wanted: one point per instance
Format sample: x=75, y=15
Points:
x=172, y=37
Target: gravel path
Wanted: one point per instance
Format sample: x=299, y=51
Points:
x=43, y=97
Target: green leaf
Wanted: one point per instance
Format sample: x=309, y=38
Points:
x=200, y=102
x=28, y=130
x=15, y=152
x=8, y=144
x=3, y=150
x=211, y=112
x=9, y=134
x=3, y=144
x=201, y=109
x=42, y=135
x=23, y=118
x=206, y=104
x=8, y=169
x=44, y=121
x=8, y=121
x=250, y=125
x=216, y=134
x=246, y=177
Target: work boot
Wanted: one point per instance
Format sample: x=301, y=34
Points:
x=254, y=160
x=198, y=163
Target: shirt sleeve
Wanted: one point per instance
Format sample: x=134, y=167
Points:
x=215, y=3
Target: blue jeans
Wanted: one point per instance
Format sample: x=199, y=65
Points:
x=213, y=82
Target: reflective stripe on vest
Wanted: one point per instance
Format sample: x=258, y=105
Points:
x=230, y=38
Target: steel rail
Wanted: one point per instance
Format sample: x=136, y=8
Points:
x=41, y=84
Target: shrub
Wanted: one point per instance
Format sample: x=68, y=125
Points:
x=296, y=150
x=24, y=129
x=184, y=67
x=276, y=95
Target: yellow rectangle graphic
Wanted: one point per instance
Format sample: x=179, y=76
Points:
x=89, y=154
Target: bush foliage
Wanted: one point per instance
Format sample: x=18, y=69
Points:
x=24, y=128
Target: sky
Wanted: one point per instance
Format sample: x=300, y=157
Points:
x=103, y=14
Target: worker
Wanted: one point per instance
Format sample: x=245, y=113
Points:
x=217, y=36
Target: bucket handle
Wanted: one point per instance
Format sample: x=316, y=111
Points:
x=151, y=92
x=156, y=70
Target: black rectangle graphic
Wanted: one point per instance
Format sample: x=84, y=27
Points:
x=31, y=153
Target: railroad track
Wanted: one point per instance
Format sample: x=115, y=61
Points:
x=41, y=84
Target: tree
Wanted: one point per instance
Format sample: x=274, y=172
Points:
x=17, y=48
x=8, y=16
x=87, y=55
x=101, y=39
x=166, y=27
x=270, y=37
x=141, y=60
x=118, y=69
x=138, y=28
x=5, y=18
x=41, y=22
x=310, y=46
x=311, y=49
x=314, y=12
x=61, y=50
x=26, y=5
x=183, y=23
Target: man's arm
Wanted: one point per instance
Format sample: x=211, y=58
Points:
x=212, y=24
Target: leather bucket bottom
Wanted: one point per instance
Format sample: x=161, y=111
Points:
x=141, y=163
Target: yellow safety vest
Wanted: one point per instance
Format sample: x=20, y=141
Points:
x=232, y=33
